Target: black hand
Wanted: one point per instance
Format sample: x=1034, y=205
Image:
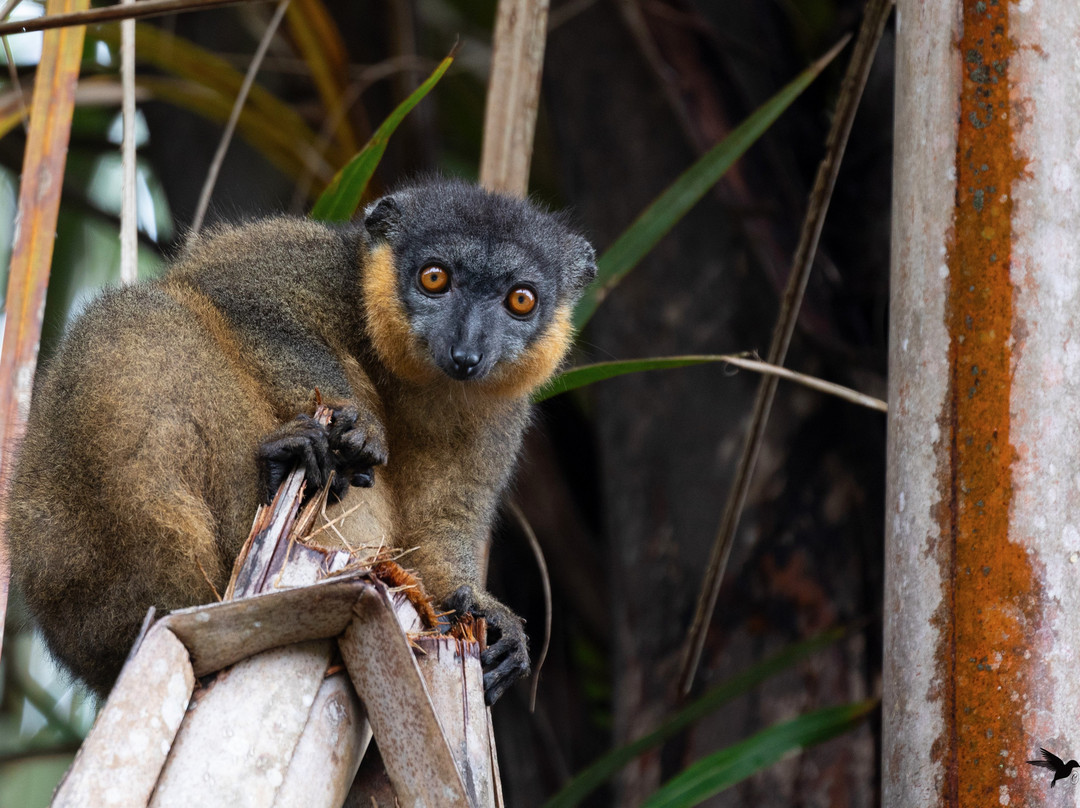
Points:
x=505, y=661
x=356, y=448
x=301, y=441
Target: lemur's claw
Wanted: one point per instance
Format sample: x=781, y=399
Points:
x=507, y=659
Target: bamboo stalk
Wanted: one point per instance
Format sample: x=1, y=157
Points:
x=31, y=257
x=513, y=95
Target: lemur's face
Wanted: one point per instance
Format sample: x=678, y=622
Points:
x=472, y=304
x=484, y=284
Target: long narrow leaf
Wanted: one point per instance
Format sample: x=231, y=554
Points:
x=668, y=208
x=607, y=765
x=339, y=202
x=318, y=41
x=290, y=157
x=735, y=763
x=184, y=59
x=587, y=374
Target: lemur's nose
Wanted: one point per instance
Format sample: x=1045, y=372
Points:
x=465, y=361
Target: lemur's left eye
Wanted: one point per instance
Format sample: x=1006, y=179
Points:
x=521, y=301
x=434, y=279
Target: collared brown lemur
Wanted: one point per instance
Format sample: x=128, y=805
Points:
x=173, y=407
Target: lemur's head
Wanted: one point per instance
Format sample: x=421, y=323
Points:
x=469, y=285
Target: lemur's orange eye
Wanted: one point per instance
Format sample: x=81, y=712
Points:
x=521, y=301
x=434, y=279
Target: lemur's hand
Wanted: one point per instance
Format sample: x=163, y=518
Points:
x=357, y=445
x=350, y=447
x=505, y=661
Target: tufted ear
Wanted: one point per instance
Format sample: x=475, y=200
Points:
x=381, y=219
x=582, y=264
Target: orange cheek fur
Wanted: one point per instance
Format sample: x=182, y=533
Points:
x=400, y=351
x=534, y=367
x=388, y=324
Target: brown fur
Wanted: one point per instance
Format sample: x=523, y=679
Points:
x=137, y=480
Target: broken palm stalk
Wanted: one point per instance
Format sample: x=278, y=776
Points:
x=275, y=720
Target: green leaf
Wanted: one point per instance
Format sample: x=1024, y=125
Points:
x=340, y=200
x=587, y=374
x=722, y=769
x=668, y=208
x=608, y=764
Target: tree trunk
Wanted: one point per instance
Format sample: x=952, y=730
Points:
x=981, y=602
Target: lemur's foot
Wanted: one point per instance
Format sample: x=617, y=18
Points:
x=357, y=446
x=507, y=659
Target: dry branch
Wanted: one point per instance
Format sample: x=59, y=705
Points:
x=234, y=116
x=142, y=10
x=386, y=676
x=121, y=758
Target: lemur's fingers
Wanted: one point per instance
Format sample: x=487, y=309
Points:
x=507, y=659
x=504, y=663
x=358, y=445
x=302, y=441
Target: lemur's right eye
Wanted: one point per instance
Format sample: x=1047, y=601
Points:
x=434, y=279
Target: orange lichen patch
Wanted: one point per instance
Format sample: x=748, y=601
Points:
x=990, y=607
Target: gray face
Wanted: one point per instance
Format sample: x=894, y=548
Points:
x=474, y=303
x=480, y=275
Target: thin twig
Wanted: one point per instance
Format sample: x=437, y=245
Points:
x=813, y=382
x=44, y=702
x=147, y=8
x=213, y=588
x=129, y=216
x=13, y=70
x=566, y=12
x=234, y=116
x=545, y=580
x=325, y=137
x=875, y=16
x=13, y=75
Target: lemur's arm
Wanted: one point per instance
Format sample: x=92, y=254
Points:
x=447, y=501
x=296, y=365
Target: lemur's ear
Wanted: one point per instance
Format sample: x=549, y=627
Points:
x=582, y=267
x=381, y=218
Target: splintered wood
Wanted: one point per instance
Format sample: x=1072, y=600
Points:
x=272, y=723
